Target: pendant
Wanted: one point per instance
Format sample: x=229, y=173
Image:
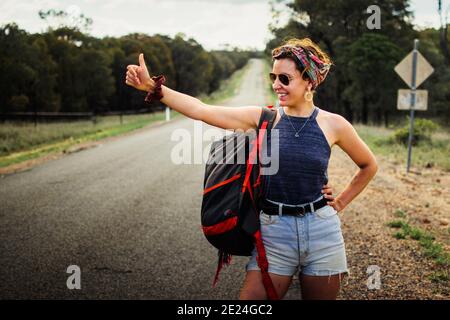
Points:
x=297, y=135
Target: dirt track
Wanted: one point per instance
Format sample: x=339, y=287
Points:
x=404, y=270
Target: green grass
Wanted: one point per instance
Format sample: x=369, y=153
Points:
x=430, y=247
x=24, y=141
x=399, y=213
x=425, y=154
x=399, y=235
x=439, y=276
x=397, y=224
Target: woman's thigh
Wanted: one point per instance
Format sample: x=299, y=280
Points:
x=320, y=287
x=253, y=288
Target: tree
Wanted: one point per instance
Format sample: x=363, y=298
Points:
x=370, y=63
x=44, y=97
x=223, y=68
x=438, y=85
x=443, y=40
x=16, y=72
x=193, y=65
x=67, y=70
x=95, y=74
x=58, y=19
x=335, y=26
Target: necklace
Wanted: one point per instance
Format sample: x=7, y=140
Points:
x=297, y=132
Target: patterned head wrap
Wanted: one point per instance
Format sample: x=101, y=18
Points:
x=316, y=69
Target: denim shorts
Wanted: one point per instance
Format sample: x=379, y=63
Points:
x=312, y=245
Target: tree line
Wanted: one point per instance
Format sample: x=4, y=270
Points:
x=66, y=70
x=362, y=84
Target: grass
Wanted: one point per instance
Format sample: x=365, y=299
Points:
x=399, y=213
x=425, y=154
x=23, y=141
x=439, y=276
x=431, y=249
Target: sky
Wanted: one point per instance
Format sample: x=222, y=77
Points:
x=212, y=23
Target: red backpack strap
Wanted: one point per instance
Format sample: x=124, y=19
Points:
x=263, y=264
x=224, y=260
x=261, y=258
x=266, y=122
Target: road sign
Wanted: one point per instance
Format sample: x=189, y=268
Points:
x=404, y=69
x=413, y=69
x=404, y=100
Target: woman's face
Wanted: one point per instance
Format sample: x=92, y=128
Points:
x=292, y=94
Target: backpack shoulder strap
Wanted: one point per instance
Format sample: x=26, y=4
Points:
x=267, y=115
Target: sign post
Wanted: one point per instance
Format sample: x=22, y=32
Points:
x=413, y=102
x=414, y=69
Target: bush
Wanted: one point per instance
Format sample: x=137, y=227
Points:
x=423, y=128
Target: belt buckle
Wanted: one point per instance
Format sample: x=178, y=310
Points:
x=302, y=212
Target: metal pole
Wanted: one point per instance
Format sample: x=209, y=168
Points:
x=167, y=114
x=35, y=116
x=413, y=102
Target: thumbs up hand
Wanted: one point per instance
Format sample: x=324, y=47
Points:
x=138, y=76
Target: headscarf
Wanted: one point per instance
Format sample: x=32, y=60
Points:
x=316, y=69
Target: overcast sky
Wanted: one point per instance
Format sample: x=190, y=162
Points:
x=213, y=23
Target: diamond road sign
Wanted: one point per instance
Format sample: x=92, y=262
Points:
x=404, y=100
x=404, y=69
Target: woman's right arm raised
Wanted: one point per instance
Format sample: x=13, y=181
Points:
x=223, y=117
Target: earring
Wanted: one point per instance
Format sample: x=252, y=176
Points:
x=308, y=96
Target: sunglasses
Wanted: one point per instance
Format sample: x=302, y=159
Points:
x=284, y=78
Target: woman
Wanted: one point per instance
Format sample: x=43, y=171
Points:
x=300, y=227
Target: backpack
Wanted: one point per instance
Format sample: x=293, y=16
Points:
x=232, y=190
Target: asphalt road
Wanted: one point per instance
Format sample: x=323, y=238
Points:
x=123, y=212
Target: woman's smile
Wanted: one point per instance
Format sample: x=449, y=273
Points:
x=282, y=96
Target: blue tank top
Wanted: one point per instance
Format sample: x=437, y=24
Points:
x=303, y=161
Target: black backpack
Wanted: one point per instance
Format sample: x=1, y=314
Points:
x=233, y=187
